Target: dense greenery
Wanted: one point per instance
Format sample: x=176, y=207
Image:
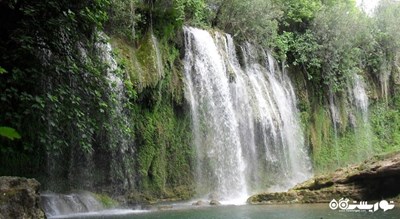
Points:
x=58, y=92
x=162, y=125
x=67, y=109
x=53, y=78
x=347, y=43
x=254, y=21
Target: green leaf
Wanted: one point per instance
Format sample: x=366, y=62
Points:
x=9, y=133
x=2, y=70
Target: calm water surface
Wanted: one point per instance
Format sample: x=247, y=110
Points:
x=316, y=211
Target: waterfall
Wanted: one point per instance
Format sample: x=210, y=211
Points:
x=216, y=126
x=81, y=205
x=122, y=157
x=360, y=97
x=246, y=127
x=60, y=204
x=360, y=104
x=160, y=68
x=335, y=121
x=113, y=160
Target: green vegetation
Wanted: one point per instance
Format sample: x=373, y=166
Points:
x=106, y=200
x=55, y=90
x=385, y=121
x=53, y=81
x=161, y=124
x=255, y=20
x=9, y=133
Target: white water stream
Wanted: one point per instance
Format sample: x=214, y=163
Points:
x=246, y=126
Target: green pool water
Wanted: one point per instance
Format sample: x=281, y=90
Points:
x=313, y=211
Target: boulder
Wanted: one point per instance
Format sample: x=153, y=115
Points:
x=200, y=203
x=375, y=179
x=215, y=202
x=19, y=198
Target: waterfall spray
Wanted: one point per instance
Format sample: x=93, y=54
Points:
x=246, y=127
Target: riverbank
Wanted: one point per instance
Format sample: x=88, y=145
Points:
x=374, y=179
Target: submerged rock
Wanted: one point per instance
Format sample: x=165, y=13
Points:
x=19, y=198
x=374, y=179
x=215, y=202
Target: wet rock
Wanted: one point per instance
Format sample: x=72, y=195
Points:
x=19, y=198
x=215, y=202
x=200, y=203
x=374, y=179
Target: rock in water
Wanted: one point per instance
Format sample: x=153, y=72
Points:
x=199, y=203
x=374, y=179
x=215, y=202
x=19, y=198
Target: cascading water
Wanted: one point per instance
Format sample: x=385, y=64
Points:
x=160, y=68
x=216, y=126
x=118, y=163
x=60, y=204
x=335, y=121
x=123, y=158
x=384, y=79
x=360, y=103
x=79, y=205
x=356, y=107
x=245, y=122
x=360, y=96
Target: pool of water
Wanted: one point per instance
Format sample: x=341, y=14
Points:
x=313, y=211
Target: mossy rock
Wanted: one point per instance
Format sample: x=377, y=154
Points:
x=136, y=197
x=106, y=200
x=357, y=182
x=19, y=198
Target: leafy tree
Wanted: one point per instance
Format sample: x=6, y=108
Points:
x=330, y=50
x=191, y=11
x=255, y=20
x=55, y=78
x=123, y=18
x=298, y=14
x=387, y=32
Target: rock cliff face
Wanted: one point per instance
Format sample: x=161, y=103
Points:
x=19, y=198
x=375, y=179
